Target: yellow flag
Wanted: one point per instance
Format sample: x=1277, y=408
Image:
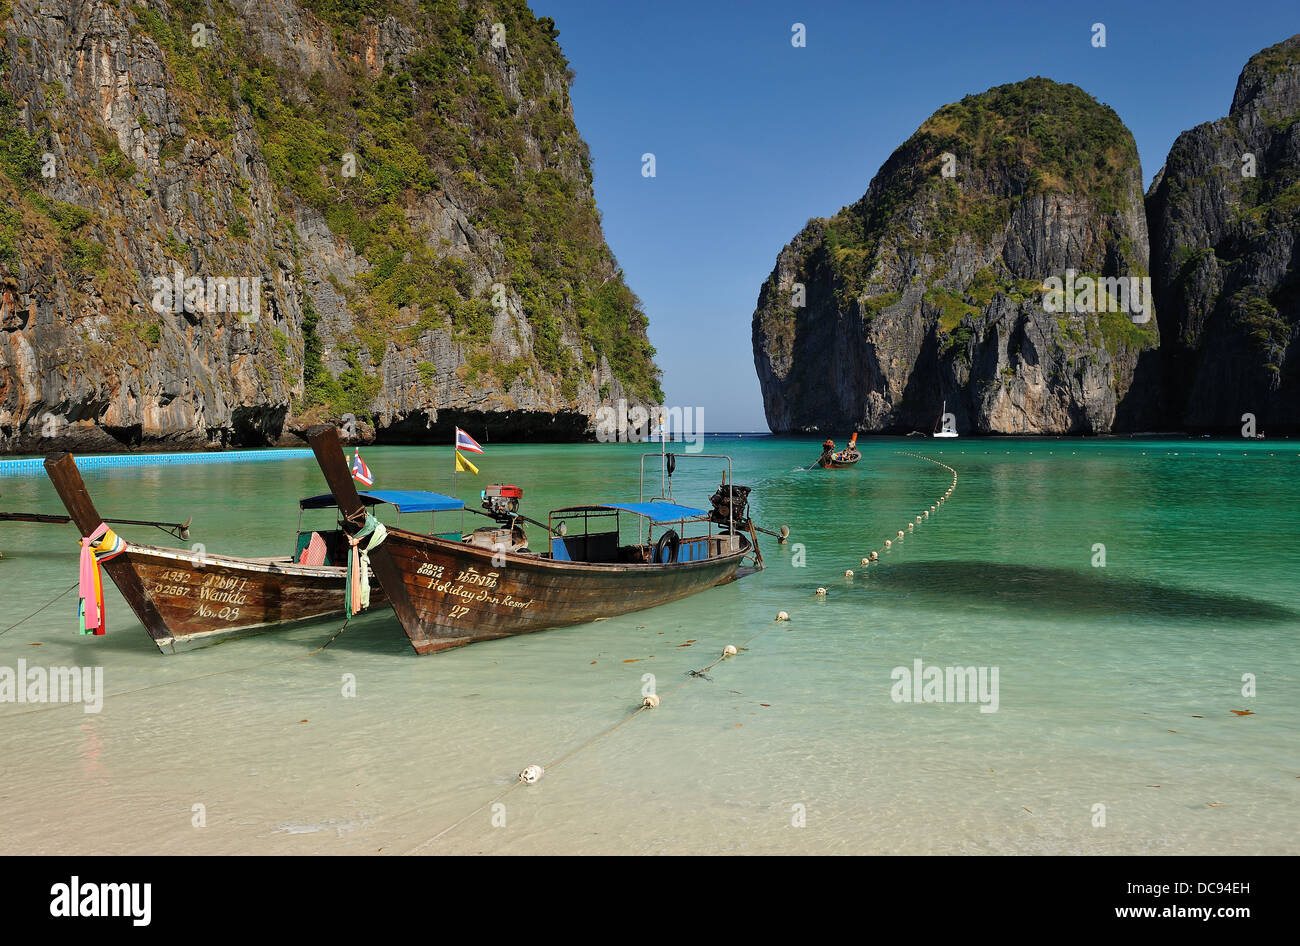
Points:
x=462, y=465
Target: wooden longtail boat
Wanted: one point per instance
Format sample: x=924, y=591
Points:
x=189, y=597
x=448, y=593
x=842, y=459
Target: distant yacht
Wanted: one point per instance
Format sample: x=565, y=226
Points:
x=940, y=431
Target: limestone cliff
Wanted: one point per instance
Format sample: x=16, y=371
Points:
x=1225, y=256
x=393, y=193
x=931, y=288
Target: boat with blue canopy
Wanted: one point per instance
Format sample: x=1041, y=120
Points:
x=490, y=584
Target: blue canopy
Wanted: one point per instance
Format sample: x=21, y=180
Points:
x=655, y=512
x=405, y=500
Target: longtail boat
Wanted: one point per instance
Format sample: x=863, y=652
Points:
x=448, y=592
x=193, y=597
x=838, y=460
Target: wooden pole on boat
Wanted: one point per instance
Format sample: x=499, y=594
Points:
x=63, y=473
x=325, y=444
x=179, y=529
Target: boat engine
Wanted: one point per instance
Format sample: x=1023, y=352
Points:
x=731, y=506
x=501, y=501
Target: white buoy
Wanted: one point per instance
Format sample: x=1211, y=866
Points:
x=729, y=650
x=888, y=543
x=874, y=556
x=531, y=774
x=926, y=514
x=652, y=700
x=866, y=561
x=911, y=527
x=821, y=591
x=918, y=518
x=848, y=573
x=900, y=533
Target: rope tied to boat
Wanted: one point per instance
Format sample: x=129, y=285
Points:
x=357, y=592
x=102, y=545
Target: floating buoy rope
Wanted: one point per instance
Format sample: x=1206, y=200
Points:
x=531, y=774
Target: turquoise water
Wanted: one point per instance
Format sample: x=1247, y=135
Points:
x=1112, y=680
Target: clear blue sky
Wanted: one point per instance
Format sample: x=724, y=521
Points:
x=752, y=137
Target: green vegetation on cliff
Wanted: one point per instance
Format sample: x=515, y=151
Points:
x=1013, y=141
x=372, y=149
x=447, y=124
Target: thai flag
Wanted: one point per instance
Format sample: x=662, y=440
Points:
x=465, y=442
x=360, y=472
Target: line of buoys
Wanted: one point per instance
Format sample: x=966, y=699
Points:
x=533, y=773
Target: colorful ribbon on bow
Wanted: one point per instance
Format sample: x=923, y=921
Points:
x=102, y=545
x=357, y=592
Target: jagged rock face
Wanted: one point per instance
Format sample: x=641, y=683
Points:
x=1225, y=217
x=408, y=267
x=930, y=289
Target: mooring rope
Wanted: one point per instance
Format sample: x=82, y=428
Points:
x=42, y=607
x=534, y=772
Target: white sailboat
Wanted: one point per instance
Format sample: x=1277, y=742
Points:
x=944, y=431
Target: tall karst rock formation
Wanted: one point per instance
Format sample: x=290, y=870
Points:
x=931, y=287
x=1225, y=256
x=397, y=183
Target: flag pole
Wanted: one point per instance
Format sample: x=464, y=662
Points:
x=455, y=468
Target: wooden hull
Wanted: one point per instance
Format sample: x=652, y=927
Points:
x=458, y=597
x=839, y=464
x=227, y=597
x=447, y=594
x=184, y=601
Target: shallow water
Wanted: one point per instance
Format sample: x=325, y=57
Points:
x=1111, y=680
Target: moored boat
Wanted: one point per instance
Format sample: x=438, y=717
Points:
x=193, y=597
x=447, y=593
x=942, y=429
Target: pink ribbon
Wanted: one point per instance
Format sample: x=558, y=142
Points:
x=86, y=581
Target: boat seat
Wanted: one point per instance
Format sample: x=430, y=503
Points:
x=596, y=547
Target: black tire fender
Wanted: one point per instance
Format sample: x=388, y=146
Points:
x=671, y=540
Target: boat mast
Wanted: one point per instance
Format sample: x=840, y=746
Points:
x=663, y=457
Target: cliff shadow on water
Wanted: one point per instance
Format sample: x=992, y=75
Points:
x=1048, y=591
